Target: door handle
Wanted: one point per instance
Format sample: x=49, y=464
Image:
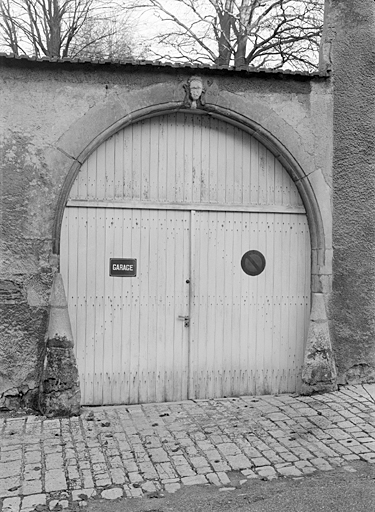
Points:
x=186, y=320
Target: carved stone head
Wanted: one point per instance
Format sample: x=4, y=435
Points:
x=194, y=92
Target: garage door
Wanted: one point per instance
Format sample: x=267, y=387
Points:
x=219, y=305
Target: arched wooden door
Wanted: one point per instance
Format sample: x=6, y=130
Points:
x=187, y=197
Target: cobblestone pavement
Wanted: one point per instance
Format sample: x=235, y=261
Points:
x=141, y=449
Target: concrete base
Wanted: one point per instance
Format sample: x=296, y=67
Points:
x=319, y=371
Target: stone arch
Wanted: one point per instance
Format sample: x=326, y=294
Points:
x=319, y=370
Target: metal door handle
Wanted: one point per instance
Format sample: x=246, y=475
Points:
x=186, y=319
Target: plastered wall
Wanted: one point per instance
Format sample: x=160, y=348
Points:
x=349, y=49
x=50, y=114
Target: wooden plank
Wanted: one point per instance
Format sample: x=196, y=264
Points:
x=188, y=159
x=205, y=161
x=196, y=161
x=171, y=157
x=118, y=165
x=121, y=289
x=100, y=183
x=132, y=245
x=137, y=154
x=237, y=166
x=88, y=350
x=270, y=182
x=179, y=149
x=234, y=269
x=164, y=356
x=213, y=161
x=246, y=169
x=100, y=250
x=147, y=165
x=109, y=169
x=191, y=206
x=278, y=270
x=172, y=280
x=262, y=173
x=108, y=306
x=269, y=277
x=153, y=159
x=254, y=166
x=139, y=344
x=162, y=160
x=127, y=148
x=91, y=178
x=194, y=283
x=211, y=317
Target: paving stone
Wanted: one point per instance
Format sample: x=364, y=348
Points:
x=83, y=494
x=33, y=457
x=228, y=449
x=10, y=454
x=368, y=457
x=260, y=461
x=133, y=492
x=289, y=457
x=30, y=502
x=135, y=478
x=198, y=462
x=55, y=480
x=214, y=479
x=239, y=461
x=88, y=481
x=185, y=470
x=224, y=479
x=158, y=455
x=358, y=449
x=289, y=471
x=103, y=482
x=31, y=487
x=149, y=486
x=352, y=457
x=165, y=470
x=194, y=480
x=220, y=466
x=267, y=472
x=58, y=504
x=11, y=504
x=112, y=494
x=321, y=464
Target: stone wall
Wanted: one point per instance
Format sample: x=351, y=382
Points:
x=53, y=114
x=349, y=50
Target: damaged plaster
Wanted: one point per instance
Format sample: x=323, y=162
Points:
x=53, y=112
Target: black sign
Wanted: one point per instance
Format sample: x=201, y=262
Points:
x=122, y=267
x=253, y=263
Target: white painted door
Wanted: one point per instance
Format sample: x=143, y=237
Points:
x=131, y=346
x=247, y=332
x=243, y=335
x=186, y=195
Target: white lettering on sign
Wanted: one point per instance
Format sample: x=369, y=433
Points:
x=120, y=266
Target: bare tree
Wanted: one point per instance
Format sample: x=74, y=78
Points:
x=260, y=33
x=62, y=28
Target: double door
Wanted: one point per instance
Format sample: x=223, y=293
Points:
x=194, y=322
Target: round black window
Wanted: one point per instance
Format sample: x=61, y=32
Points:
x=253, y=263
